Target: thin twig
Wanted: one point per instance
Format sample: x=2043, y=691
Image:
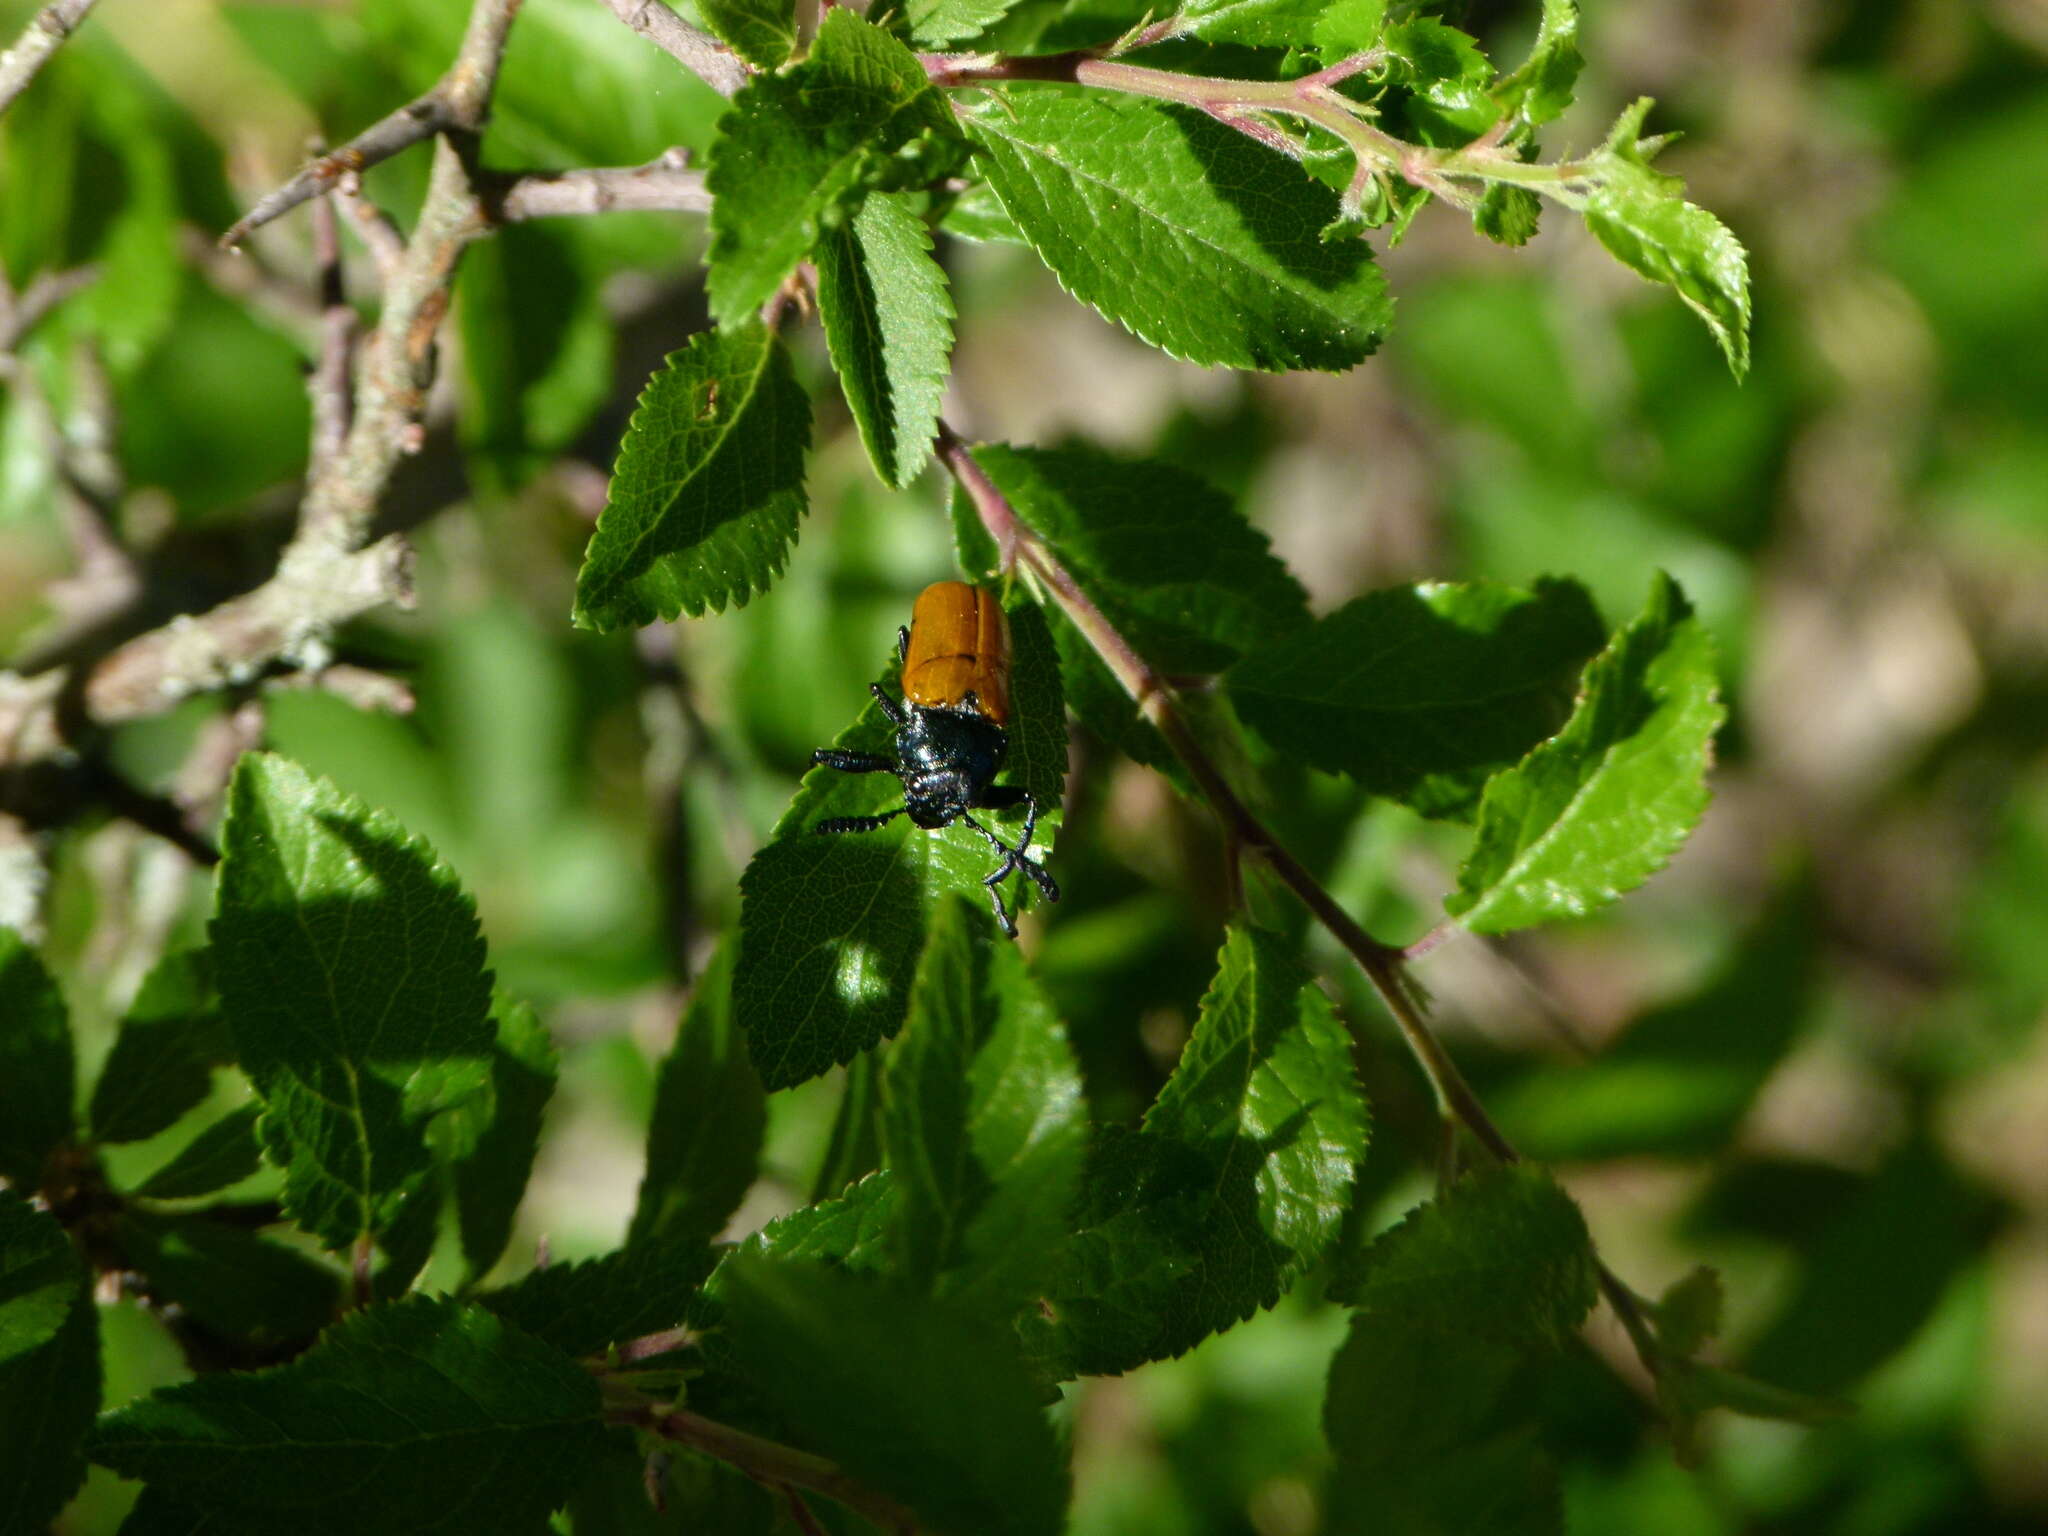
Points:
x=699, y=52
x=46, y=32
x=459, y=100
x=325, y=576
x=384, y=239
x=20, y=314
x=772, y=1463
x=664, y=185
x=327, y=385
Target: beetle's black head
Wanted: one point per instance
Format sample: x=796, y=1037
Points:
x=948, y=758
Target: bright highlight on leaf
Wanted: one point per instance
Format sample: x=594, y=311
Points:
x=1182, y=230
x=1598, y=808
x=708, y=487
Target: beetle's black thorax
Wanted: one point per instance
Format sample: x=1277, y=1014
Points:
x=948, y=758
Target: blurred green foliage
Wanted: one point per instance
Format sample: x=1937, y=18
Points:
x=1811, y=1053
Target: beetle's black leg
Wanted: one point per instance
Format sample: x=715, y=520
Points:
x=855, y=823
x=852, y=762
x=889, y=706
x=1001, y=797
x=995, y=899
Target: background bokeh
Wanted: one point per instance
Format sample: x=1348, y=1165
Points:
x=1810, y=1053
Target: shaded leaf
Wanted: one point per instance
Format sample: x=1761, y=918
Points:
x=171, y=1039
x=229, y=1279
x=1235, y=1184
x=1431, y=1436
x=797, y=151
x=36, y=1070
x=225, y=1153
x=921, y=1402
x=983, y=1119
x=831, y=927
x=708, y=487
x=889, y=324
x=498, y=1133
x=580, y=1308
x=422, y=1415
x=352, y=976
x=49, y=1367
x=1600, y=806
x=1421, y=692
x=1182, y=230
x=1504, y=1255
x=704, y=1140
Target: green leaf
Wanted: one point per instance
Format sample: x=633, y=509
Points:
x=708, y=487
x=797, y=151
x=889, y=323
x=704, y=1141
x=1182, y=230
x=36, y=1070
x=49, y=1367
x=352, y=977
x=1349, y=27
x=926, y=1404
x=1236, y=1183
x=1637, y=213
x=580, y=1308
x=983, y=1120
x=230, y=1280
x=1504, y=1254
x=1255, y=23
x=1602, y=805
x=854, y=1150
x=1447, y=77
x=831, y=927
x=499, y=1132
x=1421, y=692
x=424, y=1405
x=171, y=1039
x=225, y=1153
x=934, y=23
x=762, y=32
x=852, y=1229
x=39, y=1275
x=977, y=214
x=1541, y=88
x=1689, y=1312
x=1433, y=1433
x=1171, y=562
x=1508, y=215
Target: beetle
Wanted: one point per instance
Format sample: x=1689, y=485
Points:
x=951, y=730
